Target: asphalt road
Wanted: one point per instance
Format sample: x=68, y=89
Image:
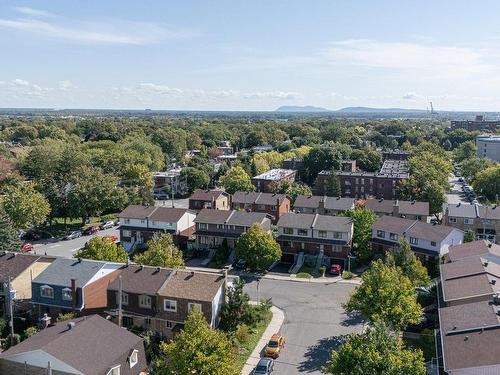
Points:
x=455, y=195
x=315, y=321
x=61, y=248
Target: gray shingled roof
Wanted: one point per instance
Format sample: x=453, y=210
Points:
x=207, y=215
x=413, y=208
x=460, y=210
x=206, y=195
x=233, y=217
x=319, y=222
x=331, y=203
x=241, y=197
x=135, y=211
x=140, y=280
x=199, y=286
x=473, y=249
x=92, y=346
x=62, y=270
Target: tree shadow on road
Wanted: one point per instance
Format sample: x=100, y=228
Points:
x=317, y=356
x=351, y=319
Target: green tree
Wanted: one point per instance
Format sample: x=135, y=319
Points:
x=102, y=248
x=236, y=310
x=470, y=168
x=258, y=248
x=407, y=261
x=386, y=295
x=25, y=206
x=488, y=181
x=161, y=252
x=469, y=236
x=367, y=160
x=236, y=179
x=9, y=240
x=30, y=331
x=434, y=194
x=465, y=151
x=197, y=349
x=196, y=178
x=333, y=188
x=139, y=179
x=363, y=221
x=376, y=352
x=292, y=189
x=325, y=157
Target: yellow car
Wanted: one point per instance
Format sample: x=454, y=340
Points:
x=274, y=346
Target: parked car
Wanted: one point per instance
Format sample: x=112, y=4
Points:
x=461, y=179
x=26, y=247
x=91, y=230
x=264, y=367
x=107, y=225
x=274, y=346
x=240, y=265
x=117, y=223
x=161, y=196
x=72, y=235
x=335, y=269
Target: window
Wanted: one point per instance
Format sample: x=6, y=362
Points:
x=468, y=221
x=302, y=245
x=302, y=232
x=126, y=221
x=114, y=371
x=380, y=234
x=145, y=301
x=413, y=241
x=194, y=306
x=288, y=230
x=452, y=219
x=124, y=298
x=143, y=221
x=170, y=305
x=203, y=240
x=153, y=223
x=126, y=233
x=169, y=324
x=322, y=234
x=337, y=235
x=132, y=359
x=147, y=321
x=67, y=295
x=393, y=236
x=287, y=244
x=46, y=291
x=202, y=226
x=262, y=207
x=433, y=243
x=220, y=226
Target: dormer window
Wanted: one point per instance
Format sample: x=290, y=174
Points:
x=67, y=294
x=46, y=291
x=133, y=358
x=114, y=371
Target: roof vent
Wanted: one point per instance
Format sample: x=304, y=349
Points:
x=459, y=204
x=493, y=282
x=496, y=299
x=142, y=267
x=489, y=245
x=79, y=260
x=413, y=202
x=485, y=263
x=158, y=269
x=71, y=325
x=466, y=338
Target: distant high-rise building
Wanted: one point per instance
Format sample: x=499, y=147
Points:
x=488, y=146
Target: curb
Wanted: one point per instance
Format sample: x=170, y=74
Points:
x=273, y=327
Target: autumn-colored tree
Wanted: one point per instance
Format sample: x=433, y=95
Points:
x=258, y=248
x=236, y=179
x=103, y=248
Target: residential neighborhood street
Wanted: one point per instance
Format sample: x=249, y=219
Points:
x=314, y=321
x=454, y=196
x=62, y=248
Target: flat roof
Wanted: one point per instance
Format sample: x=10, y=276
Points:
x=275, y=174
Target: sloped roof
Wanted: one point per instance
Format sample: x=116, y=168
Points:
x=472, y=249
x=199, y=286
x=140, y=279
x=318, y=222
x=207, y=195
x=413, y=208
x=233, y=217
x=62, y=270
x=12, y=264
x=331, y=203
x=135, y=211
x=92, y=346
x=258, y=198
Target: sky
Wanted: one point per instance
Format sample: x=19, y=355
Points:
x=250, y=55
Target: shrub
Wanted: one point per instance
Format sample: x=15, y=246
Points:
x=322, y=270
x=243, y=334
x=30, y=331
x=346, y=275
x=8, y=342
x=63, y=317
x=303, y=275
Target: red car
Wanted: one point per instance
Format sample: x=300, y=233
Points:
x=336, y=269
x=111, y=237
x=26, y=247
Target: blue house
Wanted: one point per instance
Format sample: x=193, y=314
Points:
x=73, y=285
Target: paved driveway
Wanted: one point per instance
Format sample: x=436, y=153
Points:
x=314, y=321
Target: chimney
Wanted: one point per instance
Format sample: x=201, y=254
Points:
x=489, y=245
x=395, y=208
x=71, y=325
x=45, y=321
x=73, y=294
x=321, y=206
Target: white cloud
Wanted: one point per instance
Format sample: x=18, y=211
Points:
x=137, y=33
x=32, y=12
x=412, y=96
x=65, y=85
x=282, y=95
x=20, y=82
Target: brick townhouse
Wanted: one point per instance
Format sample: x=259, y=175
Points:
x=275, y=205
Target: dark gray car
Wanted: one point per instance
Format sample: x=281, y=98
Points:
x=264, y=367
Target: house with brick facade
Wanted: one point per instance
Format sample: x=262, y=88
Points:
x=275, y=205
x=213, y=199
x=427, y=240
x=73, y=285
x=314, y=235
x=159, y=299
x=138, y=224
x=484, y=221
x=88, y=345
x=215, y=226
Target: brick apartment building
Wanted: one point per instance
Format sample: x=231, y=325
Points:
x=266, y=181
x=484, y=221
x=479, y=123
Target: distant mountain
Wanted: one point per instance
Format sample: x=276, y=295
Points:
x=295, y=108
x=371, y=110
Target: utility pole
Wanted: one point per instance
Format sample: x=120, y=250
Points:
x=172, y=190
x=258, y=290
x=120, y=301
x=11, y=312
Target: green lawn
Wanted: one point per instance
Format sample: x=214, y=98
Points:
x=61, y=227
x=245, y=350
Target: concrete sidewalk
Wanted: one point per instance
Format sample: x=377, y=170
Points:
x=273, y=327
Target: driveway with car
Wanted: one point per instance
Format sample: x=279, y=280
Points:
x=315, y=321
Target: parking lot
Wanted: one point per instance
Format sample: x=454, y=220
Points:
x=315, y=322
